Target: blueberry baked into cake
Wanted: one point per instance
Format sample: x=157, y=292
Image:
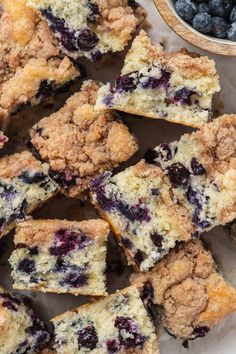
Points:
x=177, y=87
x=32, y=67
x=117, y=324
x=60, y=256
x=192, y=293
x=24, y=186
x=90, y=28
x=179, y=190
x=21, y=331
x=79, y=143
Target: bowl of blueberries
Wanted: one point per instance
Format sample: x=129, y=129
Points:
x=208, y=24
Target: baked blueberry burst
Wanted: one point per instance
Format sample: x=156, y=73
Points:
x=69, y=258
x=90, y=28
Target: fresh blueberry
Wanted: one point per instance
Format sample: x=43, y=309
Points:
x=200, y=332
x=45, y=90
x=221, y=8
x=232, y=32
x=186, y=9
x=112, y=346
x=87, y=40
x=178, y=174
x=183, y=96
x=129, y=335
x=219, y=27
x=93, y=12
x=27, y=266
x=30, y=177
x=88, y=338
x=157, y=239
x=154, y=82
x=232, y=16
x=203, y=8
x=203, y=23
x=197, y=167
x=150, y=156
x=126, y=83
x=165, y=152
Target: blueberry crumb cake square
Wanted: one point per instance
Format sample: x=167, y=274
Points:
x=32, y=67
x=79, y=143
x=193, y=295
x=21, y=331
x=180, y=190
x=24, y=186
x=90, y=28
x=177, y=87
x=117, y=324
x=60, y=256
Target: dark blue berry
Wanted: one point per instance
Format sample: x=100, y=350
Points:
x=200, y=332
x=75, y=279
x=98, y=187
x=10, y=301
x=93, y=12
x=157, y=239
x=194, y=196
x=126, y=83
x=203, y=224
x=197, y=167
x=232, y=16
x=178, y=174
x=133, y=4
x=186, y=9
x=67, y=240
x=203, y=8
x=64, y=178
x=203, y=23
x=155, y=191
x=220, y=8
x=8, y=192
x=232, y=32
x=219, y=27
x=87, y=40
x=27, y=266
x=183, y=96
x=154, y=82
x=165, y=152
x=30, y=177
x=129, y=334
x=112, y=346
x=150, y=156
x=127, y=243
x=88, y=338
x=108, y=101
x=96, y=56
x=139, y=257
x=134, y=212
x=147, y=292
x=45, y=90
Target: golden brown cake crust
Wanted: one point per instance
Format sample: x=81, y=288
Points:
x=79, y=142
x=193, y=294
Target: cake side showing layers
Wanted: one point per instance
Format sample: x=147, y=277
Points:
x=187, y=285
x=21, y=331
x=90, y=28
x=24, y=186
x=181, y=190
x=177, y=87
x=202, y=170
x=117, y=324
x=32, y=68
x=60, y=256
x=138, y=204
x=79, y=144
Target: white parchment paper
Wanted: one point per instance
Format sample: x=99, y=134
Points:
x=222, y=339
